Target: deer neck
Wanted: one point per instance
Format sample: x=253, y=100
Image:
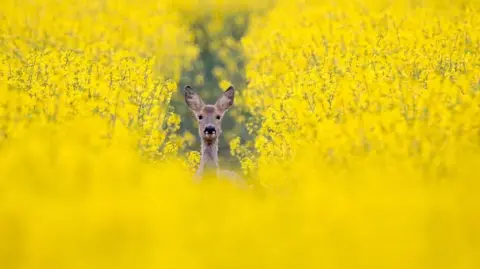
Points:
x=209, y=159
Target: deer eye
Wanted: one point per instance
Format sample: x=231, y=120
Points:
x=200, y=117
x=218, y=117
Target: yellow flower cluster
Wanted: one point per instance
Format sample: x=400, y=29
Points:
x=113, y=62
x=365, y=118
x=344, y=82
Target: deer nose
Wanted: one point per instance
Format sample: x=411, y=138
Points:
x=210, y=129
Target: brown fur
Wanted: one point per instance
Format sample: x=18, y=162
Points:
x=211, y=116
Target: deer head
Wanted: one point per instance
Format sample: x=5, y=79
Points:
x=209, y=116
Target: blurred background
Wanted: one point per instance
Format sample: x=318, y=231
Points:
x=218, y=28
x=220, y=62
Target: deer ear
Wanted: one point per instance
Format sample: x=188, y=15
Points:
x=226, y=100
x=193, y=100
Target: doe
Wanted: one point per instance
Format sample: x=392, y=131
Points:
x=209, y=119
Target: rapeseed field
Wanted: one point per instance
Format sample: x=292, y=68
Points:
x=360, y=134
